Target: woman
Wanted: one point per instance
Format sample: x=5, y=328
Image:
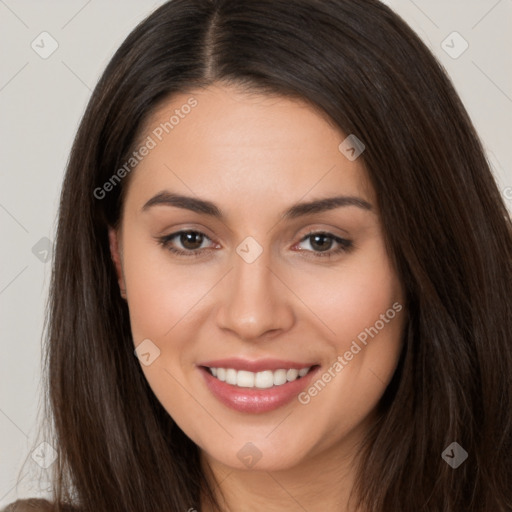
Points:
x=288, y=215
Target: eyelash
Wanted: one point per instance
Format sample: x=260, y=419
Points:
x=345, y=245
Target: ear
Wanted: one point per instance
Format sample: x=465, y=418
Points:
x=115, y=253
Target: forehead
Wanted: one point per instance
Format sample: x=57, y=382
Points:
x=222, y=142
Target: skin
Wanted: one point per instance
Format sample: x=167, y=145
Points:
x=255, y=156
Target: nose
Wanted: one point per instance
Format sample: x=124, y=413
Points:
x=255, y=304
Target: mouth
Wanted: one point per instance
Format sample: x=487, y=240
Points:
x=256, y=386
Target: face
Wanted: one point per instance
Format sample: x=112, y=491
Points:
x=267, y=319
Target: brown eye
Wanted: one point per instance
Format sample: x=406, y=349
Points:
x=321, y=244
x=185, y=243
x=191, y=240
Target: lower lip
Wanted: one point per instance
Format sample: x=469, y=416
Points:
x=254, y=400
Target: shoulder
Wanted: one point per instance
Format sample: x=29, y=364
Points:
x=33, y=505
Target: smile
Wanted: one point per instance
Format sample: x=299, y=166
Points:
x=260, y=380
x=256, y=386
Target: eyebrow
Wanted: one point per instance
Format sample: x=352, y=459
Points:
x=194, y=204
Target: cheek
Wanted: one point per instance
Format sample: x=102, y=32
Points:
x=351, y=297
x=360, y=306
x=365, y=309
x=161, y=296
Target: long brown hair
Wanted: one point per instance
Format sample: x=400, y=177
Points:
x=446, y=227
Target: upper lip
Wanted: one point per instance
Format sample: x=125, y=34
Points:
x=256, y=365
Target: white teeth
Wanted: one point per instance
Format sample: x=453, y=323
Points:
x=231, y=376
x=221, y=374
x=279, y=377
x=264, y=379
x=261, y=380
x=292, y=374
x=245, y=379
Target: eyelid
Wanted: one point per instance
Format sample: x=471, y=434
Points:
x=323, y=227
x=170, y=230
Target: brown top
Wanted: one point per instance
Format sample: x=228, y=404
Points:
x=32, y=505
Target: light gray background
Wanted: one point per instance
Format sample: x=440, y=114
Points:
x=41, y=103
